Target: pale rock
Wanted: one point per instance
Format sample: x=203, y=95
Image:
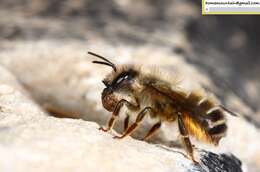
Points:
x=31, y=140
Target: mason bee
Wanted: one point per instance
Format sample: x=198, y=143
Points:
x=149, y=94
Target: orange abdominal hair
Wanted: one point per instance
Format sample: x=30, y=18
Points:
x=195, y=129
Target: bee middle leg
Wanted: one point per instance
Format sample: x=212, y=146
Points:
x=115, y=114
x=152, y=131
x=131, y=128
x=185, y=138
x=126, y=122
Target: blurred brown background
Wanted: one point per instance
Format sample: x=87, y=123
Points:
x=44, y=44
x=224, y=47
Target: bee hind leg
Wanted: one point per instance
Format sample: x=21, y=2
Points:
x=132, y=127
x=185, y=138
x=152, y=131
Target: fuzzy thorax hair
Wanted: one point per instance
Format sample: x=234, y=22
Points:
x=145, y=74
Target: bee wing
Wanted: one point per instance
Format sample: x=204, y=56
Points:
x=167, y=90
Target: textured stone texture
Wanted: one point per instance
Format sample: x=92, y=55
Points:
x=31, y=140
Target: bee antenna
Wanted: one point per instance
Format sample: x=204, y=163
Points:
x=107, y=62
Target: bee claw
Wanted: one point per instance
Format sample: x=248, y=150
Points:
x=193, y=160
x=102, y=129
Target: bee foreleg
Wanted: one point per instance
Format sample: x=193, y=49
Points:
x=152, y=131
x=139, y=118
x=185, y=138
x=115, y=114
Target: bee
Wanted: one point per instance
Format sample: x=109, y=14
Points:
x=149, y=94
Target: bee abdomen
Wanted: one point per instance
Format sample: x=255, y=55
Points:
x=216, y=125
x=200, y=103
x=208, y=116
x=216, y=115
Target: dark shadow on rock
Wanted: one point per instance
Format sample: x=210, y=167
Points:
x=211, y=162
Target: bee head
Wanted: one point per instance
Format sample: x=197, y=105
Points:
x=118, y=84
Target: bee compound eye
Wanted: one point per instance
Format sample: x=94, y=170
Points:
x=119, y=80
x=122, y=78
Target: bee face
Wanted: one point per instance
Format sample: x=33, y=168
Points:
x=117, y=85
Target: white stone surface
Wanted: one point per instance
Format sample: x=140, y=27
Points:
x=30, y=141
